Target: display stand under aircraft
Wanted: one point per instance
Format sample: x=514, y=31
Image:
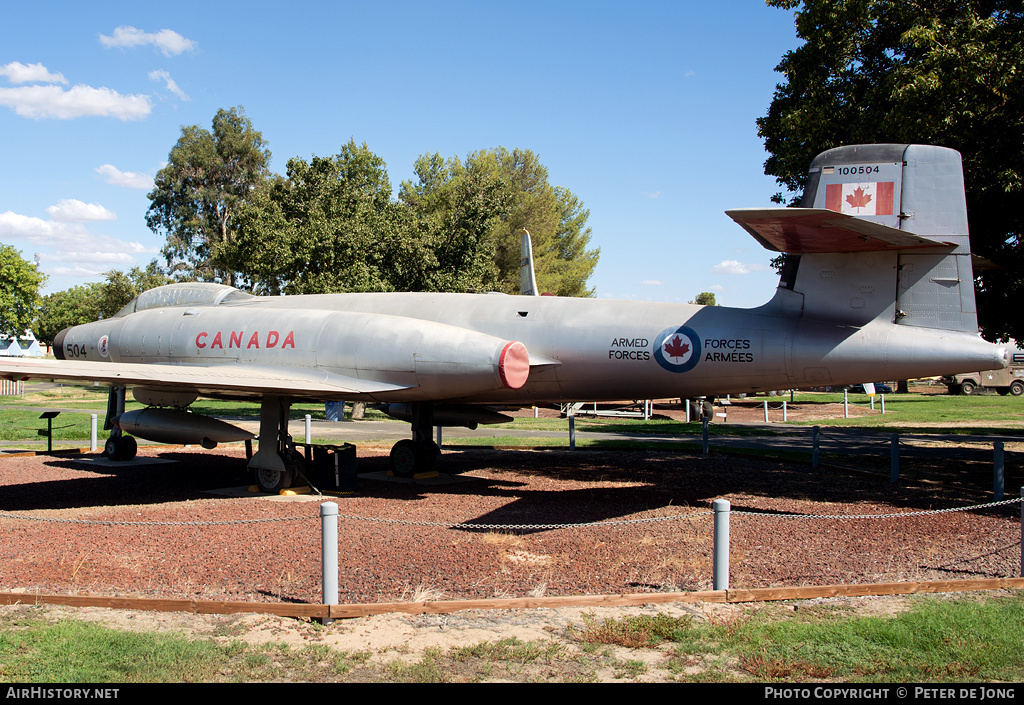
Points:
x=876, y=284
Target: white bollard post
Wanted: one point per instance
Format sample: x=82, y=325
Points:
x=92, y=431
x=720, y=577
x=309, y=429
x=766, y=411
x=329, y=554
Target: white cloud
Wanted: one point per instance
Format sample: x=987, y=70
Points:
x=80, y=271
x=161, y=75
x=71, y=210
x=72, y=241
x=79, y=101
x=129, y=179
x=651, y=282
x=18, y=72
x=169, y=42
x=731, y=266
x=35, y=230
x=93, y=257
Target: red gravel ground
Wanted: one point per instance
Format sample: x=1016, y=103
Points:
x=406, y=536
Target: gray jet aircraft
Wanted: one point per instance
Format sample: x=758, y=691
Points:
x=877, y=284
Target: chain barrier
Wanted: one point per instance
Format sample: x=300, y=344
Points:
x=898, y=515
x=518, y=527
x=105, y=522
x=377, y=520
x=940, y=451
x=844, y=440
x=972, y=445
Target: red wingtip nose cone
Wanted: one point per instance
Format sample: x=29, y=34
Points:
x=514, y=365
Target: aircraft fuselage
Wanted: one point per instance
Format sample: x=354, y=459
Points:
x=442, y=347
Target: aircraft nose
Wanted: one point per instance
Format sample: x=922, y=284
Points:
x=58, y=344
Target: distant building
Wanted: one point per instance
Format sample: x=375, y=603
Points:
x=25, y=346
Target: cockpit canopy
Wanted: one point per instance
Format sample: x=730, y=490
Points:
x=184, y=294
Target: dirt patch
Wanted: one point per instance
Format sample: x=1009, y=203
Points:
x=519, y=523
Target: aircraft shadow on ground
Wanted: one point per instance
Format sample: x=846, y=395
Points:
x=586, y=485
x=113, y=485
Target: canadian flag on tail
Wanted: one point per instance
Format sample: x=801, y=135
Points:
x=865, y=198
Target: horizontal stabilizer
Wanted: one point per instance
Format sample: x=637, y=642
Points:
x=234, y=379
x=820, y=231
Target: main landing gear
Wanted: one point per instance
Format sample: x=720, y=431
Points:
x=277, y=462
x=419, y=455
x=118, y=446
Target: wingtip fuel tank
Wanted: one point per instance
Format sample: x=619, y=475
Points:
x=178, y=426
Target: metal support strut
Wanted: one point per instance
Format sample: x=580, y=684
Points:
x=276, y=462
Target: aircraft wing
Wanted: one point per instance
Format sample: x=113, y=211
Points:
x=217, y=379
x=818, y=230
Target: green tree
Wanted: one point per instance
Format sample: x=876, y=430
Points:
x=705, y=298
x=567, y=261
x=122, y=287
x=331, y=225
x=487, y=201
x=458, y=205
x=19, y=291
x=944, y=72
x=196, y=197
x=63, y=309
x=91, y=302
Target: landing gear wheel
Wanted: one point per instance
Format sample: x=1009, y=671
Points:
x=1016, y=388
x=406, y=458
x=273, y=481
x=409, y=458
x=123, y=448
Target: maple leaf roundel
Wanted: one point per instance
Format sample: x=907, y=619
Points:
x=677, y=349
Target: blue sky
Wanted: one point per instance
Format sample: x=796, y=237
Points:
x=644, y=110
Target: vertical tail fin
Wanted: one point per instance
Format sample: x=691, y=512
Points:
x=527, y=278
x=881, y=234
x=917, y=189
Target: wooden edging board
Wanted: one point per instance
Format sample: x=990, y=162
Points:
x=315, y=611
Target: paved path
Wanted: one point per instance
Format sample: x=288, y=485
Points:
x=853, y=441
